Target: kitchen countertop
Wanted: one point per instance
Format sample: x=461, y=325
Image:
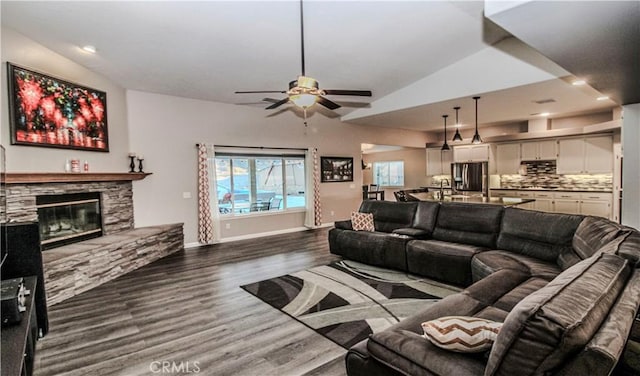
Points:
x=551, y=190
x=503, y=201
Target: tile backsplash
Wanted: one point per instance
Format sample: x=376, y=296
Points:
x=543, y=174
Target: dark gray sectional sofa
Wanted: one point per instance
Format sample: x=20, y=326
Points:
x=566, y=287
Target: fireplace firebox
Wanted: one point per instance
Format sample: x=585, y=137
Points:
x=68, y=218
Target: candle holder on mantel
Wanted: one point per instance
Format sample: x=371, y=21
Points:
x=140, y=165
x=132, y=165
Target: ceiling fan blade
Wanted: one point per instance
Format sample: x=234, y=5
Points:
x=355, y=104
x=327, y=103
x=359, y=93
x=270, y=100
x=260, y=91
x=278, y=104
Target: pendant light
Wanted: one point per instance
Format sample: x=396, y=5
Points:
x=457, y=136
x=476, y=137
x=445, y=146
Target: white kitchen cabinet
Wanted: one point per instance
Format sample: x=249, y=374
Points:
x=507, y=159
x=585, y=155
x=547, y=150
x=480, y=153
x=597, y=204
x=598, y=155
x=538, y=150
x=566, y=202
x=526, y=195
x=544, y=201
x=471, y=153
x=529, y=151
x=570, y=156
x=438, y=162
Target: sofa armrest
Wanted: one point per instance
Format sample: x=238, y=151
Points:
x=415, y=233
x=343, y=225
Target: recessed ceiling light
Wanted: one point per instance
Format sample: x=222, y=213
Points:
x=578, y=82
x=602, y=98
x=544, y=114
x=89, y=48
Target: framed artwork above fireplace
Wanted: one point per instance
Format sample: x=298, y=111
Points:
x=50, y=112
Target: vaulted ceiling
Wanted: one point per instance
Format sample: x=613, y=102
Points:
x=420, y=58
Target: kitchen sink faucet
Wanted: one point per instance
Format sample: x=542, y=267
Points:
x=442, y=188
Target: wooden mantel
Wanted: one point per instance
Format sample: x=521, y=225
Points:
x=65, y=177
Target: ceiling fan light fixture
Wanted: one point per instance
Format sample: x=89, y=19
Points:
x=303, y=100
x=457, y=136
x=476, y=137
x=306, y=83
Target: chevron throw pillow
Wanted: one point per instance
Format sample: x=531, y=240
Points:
x=362, y=221
x=462, y=333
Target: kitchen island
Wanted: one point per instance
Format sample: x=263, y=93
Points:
x=503, y=201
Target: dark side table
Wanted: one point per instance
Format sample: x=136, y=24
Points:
x=19, y=341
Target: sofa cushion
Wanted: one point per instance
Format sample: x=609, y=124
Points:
x=489, y=262
x=548, y=327
x=389, y=215
x=413, y=355
x=373, y=248
x=473, y=224
x=402, y=347
x=343, y=225
x=600, y=355
x=592, y=234
x=444, y=261
x=463, y=334
x=629, y=246
x=501, y=291
x=362, y=221
x=426, y=215
x=537, y=234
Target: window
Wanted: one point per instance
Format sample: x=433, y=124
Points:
x=388, y=174
x=257, y=183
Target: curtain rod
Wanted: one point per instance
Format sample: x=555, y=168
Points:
x=255, y=147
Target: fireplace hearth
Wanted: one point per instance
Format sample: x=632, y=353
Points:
x=68, y=218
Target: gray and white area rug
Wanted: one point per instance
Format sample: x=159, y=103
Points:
x=346, y=301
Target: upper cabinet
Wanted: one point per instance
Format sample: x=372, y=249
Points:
x=438, y=162
x=598, y=155
x=507, y=159
x=585, y=155
x=471, y=153
x=538, y=150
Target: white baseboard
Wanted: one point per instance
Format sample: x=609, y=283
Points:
x=257, y=235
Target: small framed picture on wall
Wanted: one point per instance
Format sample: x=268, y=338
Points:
x=336, y=169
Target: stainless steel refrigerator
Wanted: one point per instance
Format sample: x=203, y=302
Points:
x=470, y=178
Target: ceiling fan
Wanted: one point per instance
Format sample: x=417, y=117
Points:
x=305, y=91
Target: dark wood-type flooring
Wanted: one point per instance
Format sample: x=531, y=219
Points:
x=188, y=309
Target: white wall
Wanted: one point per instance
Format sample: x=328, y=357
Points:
x=24, y=52
x=582, y=120
x=165, y=129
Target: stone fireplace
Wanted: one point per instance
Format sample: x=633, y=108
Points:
x=68, y=218
x=80, y=207
x=116, y=200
